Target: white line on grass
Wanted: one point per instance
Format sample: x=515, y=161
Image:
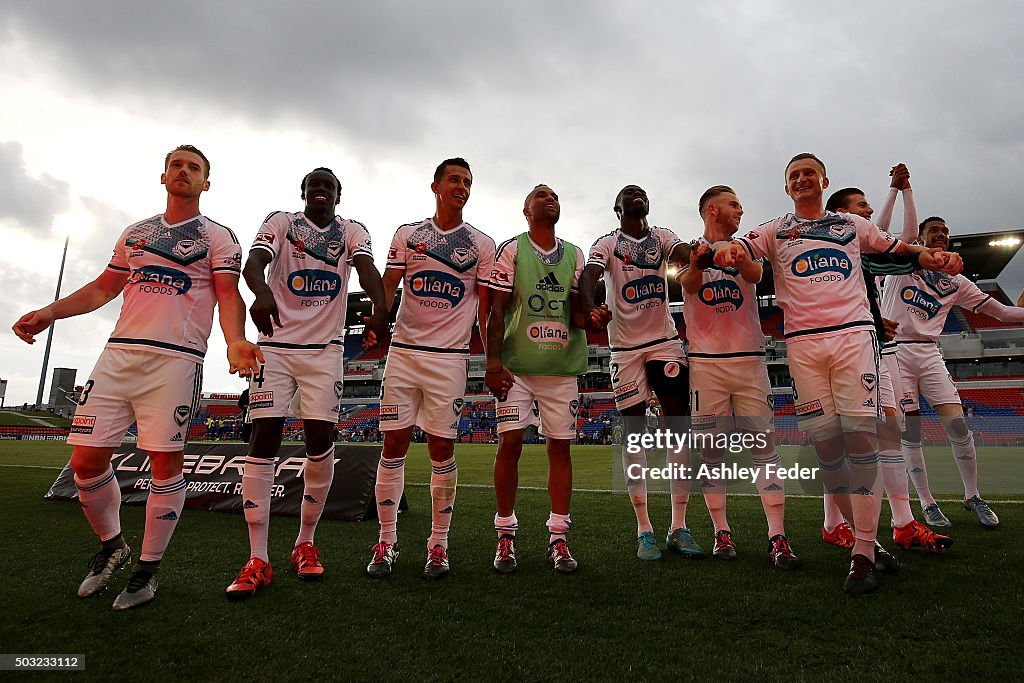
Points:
x=544, y=488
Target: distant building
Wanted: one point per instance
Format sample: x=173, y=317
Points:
x=62, y=388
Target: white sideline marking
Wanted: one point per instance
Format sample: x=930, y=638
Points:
x=545, y=488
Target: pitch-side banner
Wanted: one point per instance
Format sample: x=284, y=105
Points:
x=214, y=475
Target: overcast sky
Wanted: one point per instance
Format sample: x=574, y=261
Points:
x=584, y=96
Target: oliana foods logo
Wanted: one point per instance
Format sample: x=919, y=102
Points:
x=432, y=284
x=314, y=283
x=823, y=265
x=550, y=336
x=922, y=304
x=724, y=295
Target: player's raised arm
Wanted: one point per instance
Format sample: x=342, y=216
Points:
x=88, y=298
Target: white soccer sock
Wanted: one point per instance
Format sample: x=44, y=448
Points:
x=714, y=488
x=679, y=489
x=865, y=500
x=388, y=490
x=101, y=502
x=318, y=474
x=257, y=481
x=894, y=475
x=637, y=489
x=163, y=509
x=506, y=525
x=443, y=479
x=913, y=453
x=967, y=462
x=772, y=490
x=558, y=527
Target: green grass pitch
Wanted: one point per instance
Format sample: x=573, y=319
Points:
x=942, y=617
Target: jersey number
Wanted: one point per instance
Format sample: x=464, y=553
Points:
x=85, y=393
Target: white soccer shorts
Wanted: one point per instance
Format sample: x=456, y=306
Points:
x=157, y=391
x=629, y=374
x=425, y=389
x=723, y=389
x=834, y=375
x=558, y=403
x=922, y=371
x=317, y=377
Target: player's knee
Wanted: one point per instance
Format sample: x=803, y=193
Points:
x=823, y=428
x=957, y=428
x=319, y=435
x=88, y=463
x=558, y=451
x=510, y=445
x=440, y=448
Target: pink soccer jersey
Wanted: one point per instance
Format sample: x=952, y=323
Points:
x=169, y=297
x=637, y=294
x=443, y=269
x=921, y=301
x=818, y=279
x=309, y=276
x=721, y=317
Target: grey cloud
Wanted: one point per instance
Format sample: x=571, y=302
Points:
x=30, y=203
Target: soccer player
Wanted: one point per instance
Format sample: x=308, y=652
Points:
x=920, y=303
x=444, y=264
x=831, y=344
x=172, y=269
x=907, y=532
x=728, y=374
x=535, y=353
x=300, y=314
x=646, y=352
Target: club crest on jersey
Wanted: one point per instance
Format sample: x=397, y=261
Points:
x=920, y=303
x=181, y=414
x=574, y=407
x=822, y=265
x=457, y=406
x=869, y=381
x=671, y=369
x=433, y=284
x=549, y=336
x=724, y=295
x=185, y=248
x=643, y=289
x=160, y=280
x=653, y=254
x=308, y=283
x=461, y=255
x=333, y=249
x=339, y=389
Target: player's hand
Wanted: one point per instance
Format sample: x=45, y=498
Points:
x=599, y=318
x=900, y=177
x=31, y=324
x=890, y=329
x=946, y=261
x=264, y=313
x=726, y=256
x=701, y=257
x=376, y=329
x=499, y=382
x=244, y=358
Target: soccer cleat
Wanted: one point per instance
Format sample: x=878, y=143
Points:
x=306, y=561
x=682, y=541
x=917, y=534
x=862, y=578
x=560, y=559
x=505, y=555
x=647, y=547
x=254, y=574
x=841, y=536
x=933, y=516
x=986, y=517
x=140, y=591
x=384, y=557
x=884, y=561
x=437, y=563
x=725, y=547
x=781, y=554
x=101, y=567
